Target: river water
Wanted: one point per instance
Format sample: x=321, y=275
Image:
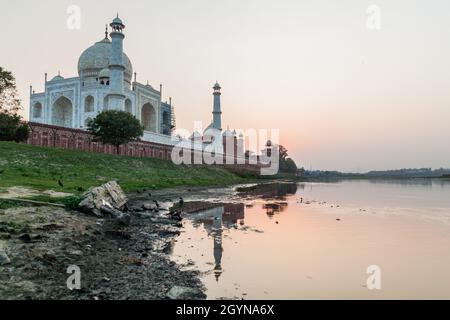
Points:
x=317, y=241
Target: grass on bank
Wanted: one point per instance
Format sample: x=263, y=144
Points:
x=8, y=204
x=43, y=168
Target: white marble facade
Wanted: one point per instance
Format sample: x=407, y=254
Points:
x=104, y=82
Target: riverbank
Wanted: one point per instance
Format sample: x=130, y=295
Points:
x=302, y=234
x=41, y=236
x=39, y=244
x=74, y=172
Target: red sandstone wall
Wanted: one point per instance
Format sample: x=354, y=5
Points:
x=74, y=139
x=65, y=138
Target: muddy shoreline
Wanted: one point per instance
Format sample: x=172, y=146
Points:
x=116, y=263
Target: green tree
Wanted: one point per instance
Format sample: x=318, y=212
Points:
x=22, y=133
x=301, y=172
x=9, y=101
x=8, y=126
x=283, y=152
x=287, y=165
x=290, y=166
x=11, y=128
x=115, y=128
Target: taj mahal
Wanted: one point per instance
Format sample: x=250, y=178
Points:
x=59, y=116
x=106, y=82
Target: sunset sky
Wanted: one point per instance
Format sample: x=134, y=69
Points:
x=343, y=96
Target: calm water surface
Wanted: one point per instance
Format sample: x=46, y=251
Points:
x=316, y=240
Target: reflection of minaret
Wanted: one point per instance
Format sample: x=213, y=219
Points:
x=214, y=220
x=218, y=249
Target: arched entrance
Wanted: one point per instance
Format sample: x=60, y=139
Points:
x=37, y=110
x=62, y=113
x=89, y=104
x=105, y=103
x=148, y=117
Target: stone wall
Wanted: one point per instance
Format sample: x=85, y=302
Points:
x=74, y=139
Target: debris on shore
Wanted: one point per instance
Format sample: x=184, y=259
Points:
x=109, y=196
x=120, y=246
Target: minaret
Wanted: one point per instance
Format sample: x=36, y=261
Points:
x=217, y=112
x=116, y=67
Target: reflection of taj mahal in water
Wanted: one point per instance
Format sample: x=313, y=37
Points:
x=214, y=220
x=220, y=217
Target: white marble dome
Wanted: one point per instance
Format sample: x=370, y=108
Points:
x=117, y=20
x=228, y=133
x=96, y=58
x=57, y=78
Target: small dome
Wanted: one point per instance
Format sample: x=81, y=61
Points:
x=208, y=128
x=105, y=73
x=217, y=86
x=241, y=135
x=117, y=20
x=196, y=135
x=228, y=133
x=57, y=78
x=269, y=143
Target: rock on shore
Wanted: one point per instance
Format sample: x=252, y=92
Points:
x=108, y=197
x=117, y=262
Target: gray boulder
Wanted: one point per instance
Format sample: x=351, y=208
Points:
x=109, y=195
x=185, y=293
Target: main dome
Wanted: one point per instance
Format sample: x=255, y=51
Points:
x=96, y=58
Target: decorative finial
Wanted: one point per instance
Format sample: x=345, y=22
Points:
x=106, y=32
x=59, y=73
